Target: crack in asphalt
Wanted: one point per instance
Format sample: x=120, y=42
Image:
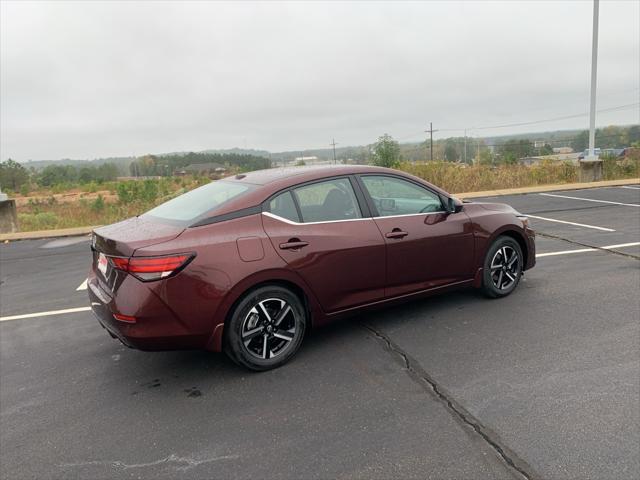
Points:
x=420, y=376
x=182, y=463
x=573, y=242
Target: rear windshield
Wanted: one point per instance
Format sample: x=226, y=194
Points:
x=192, y=205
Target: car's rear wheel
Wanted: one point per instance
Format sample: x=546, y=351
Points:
x=266, y=328
x=502, y=267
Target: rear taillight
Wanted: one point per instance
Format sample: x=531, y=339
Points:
x=148, y=269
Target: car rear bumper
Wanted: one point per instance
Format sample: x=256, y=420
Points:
x=150, y=326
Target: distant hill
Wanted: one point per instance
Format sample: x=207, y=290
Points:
x=360, y=153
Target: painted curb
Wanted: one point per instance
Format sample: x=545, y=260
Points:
x=549, y=188
x=63, y=232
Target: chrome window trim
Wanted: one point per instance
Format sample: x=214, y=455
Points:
x=410, y=214
x=291, y=222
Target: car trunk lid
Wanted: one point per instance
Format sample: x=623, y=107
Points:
x=122, y=239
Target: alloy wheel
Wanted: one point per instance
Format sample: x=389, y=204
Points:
x=505, y=267
x=269, y=328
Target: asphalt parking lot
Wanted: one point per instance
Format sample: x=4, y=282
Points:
x=542, y=384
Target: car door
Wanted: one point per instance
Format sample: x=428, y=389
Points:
x=426, y=246
x=327, y=236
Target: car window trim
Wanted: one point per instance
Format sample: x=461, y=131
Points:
x=291, y=222
x=372, y=205
x=243, y=212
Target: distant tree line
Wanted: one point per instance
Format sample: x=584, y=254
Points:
x=16, y=177
x=166, y=165
x=608, y=137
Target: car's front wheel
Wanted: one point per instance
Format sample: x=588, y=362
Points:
x=266, y=328
x=502, y=267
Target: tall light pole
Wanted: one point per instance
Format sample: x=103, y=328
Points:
x=594, y=76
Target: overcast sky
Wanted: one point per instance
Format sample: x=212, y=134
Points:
x=92, y=79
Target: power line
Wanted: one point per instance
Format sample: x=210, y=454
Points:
x=489, y=127
x=535, y=122
x=507, y=142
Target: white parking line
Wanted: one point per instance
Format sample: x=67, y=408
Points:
x=590, y=200
x=86, y=309
x=45, y=314
x=572, y=223
x=622, y=245
x=583, y=250
x=631, y=187
x=83, y=285
x=565, y=252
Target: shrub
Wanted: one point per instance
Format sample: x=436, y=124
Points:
x=37, y=221
x=98, y=204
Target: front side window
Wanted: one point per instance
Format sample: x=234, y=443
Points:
x=194, y=204
x=394, y=196
x=328, y=201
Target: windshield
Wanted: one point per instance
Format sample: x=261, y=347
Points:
x=196, y=203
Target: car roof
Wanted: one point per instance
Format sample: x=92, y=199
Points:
x=266, y=183
x=295, y=175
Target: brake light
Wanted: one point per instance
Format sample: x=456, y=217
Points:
x=148, y=269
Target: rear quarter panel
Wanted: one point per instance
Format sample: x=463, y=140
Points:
x=231, y=257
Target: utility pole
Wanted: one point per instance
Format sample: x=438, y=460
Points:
x=594, y=75
x=430, y=132
x=333, y=142
x=465, y=145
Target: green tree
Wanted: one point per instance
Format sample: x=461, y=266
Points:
x=546, y=149
x=486, y=157
x=58, y=174
x=386, y=152
x=13, y=175
x=450, y=151
x=581, y=142
x=512, y=150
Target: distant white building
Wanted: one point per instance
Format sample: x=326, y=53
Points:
x=562, y=150
x=307, y=159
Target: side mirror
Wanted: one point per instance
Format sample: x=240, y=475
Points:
x=451, y=206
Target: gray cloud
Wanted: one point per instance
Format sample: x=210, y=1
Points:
x=91, y=79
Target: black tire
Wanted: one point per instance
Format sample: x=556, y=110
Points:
x=266, y=328
x=501, y=273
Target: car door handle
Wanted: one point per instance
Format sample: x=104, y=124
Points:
x=396, y=233
x=293, y=244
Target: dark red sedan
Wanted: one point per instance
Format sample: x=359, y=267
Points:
x=246, y=265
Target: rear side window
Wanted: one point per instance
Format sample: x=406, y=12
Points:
x=284, y=207
x=328, y=201
x=196, y=203
x=394, y=196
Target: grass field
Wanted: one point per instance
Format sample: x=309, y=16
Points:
x=109, y=203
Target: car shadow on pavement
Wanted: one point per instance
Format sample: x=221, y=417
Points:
x=194, y=373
